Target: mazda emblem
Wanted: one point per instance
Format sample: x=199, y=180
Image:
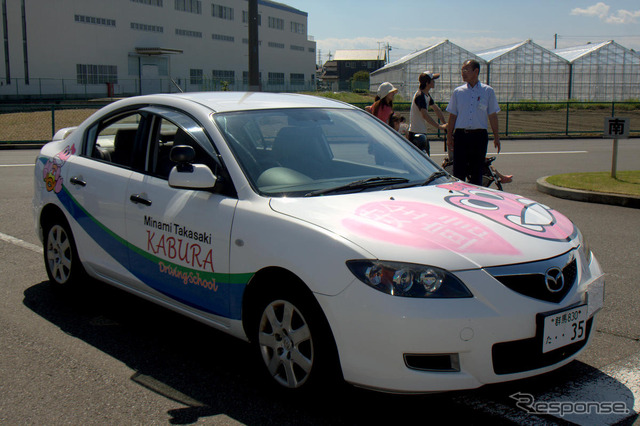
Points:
x=554, y=279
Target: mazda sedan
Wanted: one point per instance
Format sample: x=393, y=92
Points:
x=316, y=232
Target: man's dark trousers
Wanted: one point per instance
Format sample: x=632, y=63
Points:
x=469, y=151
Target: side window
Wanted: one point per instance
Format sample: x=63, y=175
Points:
x=114, y=139
x=166, y=137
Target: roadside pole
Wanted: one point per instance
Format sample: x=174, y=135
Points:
x=616, y=128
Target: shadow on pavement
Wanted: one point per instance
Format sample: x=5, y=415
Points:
x=212, y=374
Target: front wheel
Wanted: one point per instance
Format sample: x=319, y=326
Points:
x=60, y=254
x=295, y=343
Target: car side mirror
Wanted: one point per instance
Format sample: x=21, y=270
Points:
x=187, y=175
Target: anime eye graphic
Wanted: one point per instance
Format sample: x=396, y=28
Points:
x=534, y=217
x=483, y=200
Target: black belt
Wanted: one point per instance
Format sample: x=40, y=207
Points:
x=471, y=130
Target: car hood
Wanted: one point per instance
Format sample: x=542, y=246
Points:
x=454, y=225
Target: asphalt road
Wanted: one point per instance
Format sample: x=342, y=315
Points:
x=105, y=357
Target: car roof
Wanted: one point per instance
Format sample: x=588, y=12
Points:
x=243, y=101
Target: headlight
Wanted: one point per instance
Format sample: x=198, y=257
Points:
x=584, y=247
x=408, y=280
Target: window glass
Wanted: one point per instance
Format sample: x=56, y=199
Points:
x=292, y=152
x=113, y=140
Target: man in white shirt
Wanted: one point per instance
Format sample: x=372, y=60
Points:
x=418, y=116
x=470, y=107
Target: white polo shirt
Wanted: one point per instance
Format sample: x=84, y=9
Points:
x=473, y=105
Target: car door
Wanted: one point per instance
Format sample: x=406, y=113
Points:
x=96, y=191
x=179, y=238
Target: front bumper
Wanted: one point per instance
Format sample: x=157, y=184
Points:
x=410, y=345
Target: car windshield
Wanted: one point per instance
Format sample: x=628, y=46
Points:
x=314, y=151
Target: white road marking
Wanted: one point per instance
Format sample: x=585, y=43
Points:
x=20, y=243
x=17, y=165
x=491, y=154
x=616, y=383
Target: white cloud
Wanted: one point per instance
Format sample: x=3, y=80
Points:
x=603, y=11
x=600, y=10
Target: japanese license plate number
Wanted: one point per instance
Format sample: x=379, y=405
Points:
x=564, y=328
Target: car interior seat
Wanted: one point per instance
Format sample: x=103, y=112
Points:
x=123, y=147
x=302, y=149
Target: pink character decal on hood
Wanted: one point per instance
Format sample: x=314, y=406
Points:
x=513, y=211
x=53, y=168
x=425, y=226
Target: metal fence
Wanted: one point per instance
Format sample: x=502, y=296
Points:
x=28, y=124
x=38, y=89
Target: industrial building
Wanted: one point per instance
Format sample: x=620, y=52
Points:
x=79, y=49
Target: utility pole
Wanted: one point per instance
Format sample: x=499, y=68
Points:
x=555, y=43
x=254, y=58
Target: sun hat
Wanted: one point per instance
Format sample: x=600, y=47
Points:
x=386, y=88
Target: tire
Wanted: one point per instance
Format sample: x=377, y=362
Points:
x=60, y=254
x=295, y=344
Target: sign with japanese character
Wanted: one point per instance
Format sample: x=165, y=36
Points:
x=616, y=128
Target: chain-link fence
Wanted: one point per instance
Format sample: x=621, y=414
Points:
x=36, y=124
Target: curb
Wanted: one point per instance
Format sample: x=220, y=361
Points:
x=587, y=196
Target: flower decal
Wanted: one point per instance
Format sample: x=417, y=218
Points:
x=52, y=170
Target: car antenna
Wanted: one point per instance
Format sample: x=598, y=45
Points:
x=176, y=84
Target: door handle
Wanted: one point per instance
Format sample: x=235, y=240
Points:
x=137, y=199
x=77, y=181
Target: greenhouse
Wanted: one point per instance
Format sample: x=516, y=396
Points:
x=603, y=72
x=524, y=71
x=445, y=58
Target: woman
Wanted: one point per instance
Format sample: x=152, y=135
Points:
x=383, y=105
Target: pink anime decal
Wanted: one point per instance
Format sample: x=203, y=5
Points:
x=51, y=172
x=513, y=211
x=425, y=226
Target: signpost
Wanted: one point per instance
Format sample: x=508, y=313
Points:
x=616, y=128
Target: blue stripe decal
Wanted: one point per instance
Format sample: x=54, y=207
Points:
x=214, y=293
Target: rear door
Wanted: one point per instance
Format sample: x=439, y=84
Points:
x=96, y=186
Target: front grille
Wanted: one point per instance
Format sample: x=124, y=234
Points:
x=526, y=355
x=532, y=279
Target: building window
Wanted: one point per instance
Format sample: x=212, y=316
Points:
x=276, y=23
x=149, y=2
x=298, y=48
x=245, y=18
x=222, y=37
x=246, y=41
x=245, y=77
x=297, y=28
x=224, y=75
x=96, y=21
x=276, y=78
x=195, y=76
x=96, y=74
x=144, y=27
x=276, y=45
x=188, y=33
x=222, y=12
x=312, y=50
x=296, y=79
x=191, y=6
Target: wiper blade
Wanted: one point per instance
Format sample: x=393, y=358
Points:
x=360, y=184
x=434, y=176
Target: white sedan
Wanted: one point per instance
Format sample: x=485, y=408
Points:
x=318, y=233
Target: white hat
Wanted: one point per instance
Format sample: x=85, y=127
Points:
x=386, y=88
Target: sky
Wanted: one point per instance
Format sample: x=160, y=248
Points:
x=476, y=25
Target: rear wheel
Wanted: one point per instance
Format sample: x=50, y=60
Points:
x=60, y=254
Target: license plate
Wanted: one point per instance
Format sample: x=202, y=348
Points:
x=564, y=328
